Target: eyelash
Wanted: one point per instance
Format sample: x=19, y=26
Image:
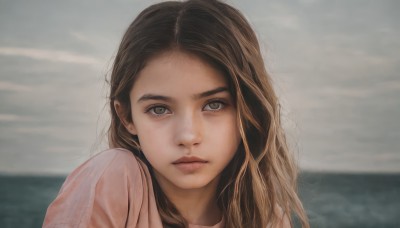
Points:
x=153, y=107
x=221, y=102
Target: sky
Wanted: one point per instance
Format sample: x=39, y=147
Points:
x=334, y=64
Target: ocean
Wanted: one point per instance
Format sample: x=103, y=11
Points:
x=351, y=200
x=331, y=200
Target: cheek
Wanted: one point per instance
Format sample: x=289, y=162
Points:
x=152, y=141
x=225, y=135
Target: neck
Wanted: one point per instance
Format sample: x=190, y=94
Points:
x=198, y=206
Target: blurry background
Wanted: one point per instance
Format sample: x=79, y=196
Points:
x=335, y=65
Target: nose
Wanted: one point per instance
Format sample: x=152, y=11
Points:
x=188, y=130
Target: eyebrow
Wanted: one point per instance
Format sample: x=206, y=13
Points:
x=208, y=93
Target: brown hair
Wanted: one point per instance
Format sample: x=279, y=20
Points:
x=261, y=179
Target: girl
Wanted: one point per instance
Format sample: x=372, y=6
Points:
x=195, y=134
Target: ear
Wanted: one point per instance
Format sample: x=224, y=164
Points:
x=129, y=125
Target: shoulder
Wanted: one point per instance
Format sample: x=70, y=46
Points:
x=112, y=156
x=118, y=167
x=113, y=160
x=115, y=167
x=99, y=191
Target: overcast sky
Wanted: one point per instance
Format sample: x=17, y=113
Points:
x=335, y=65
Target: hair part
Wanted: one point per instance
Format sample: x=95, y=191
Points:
x=262, y=175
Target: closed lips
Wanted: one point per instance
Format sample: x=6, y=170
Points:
x=189, y=160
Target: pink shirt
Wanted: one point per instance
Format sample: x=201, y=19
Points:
x=112, y=189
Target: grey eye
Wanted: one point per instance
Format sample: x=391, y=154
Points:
x=159, y=110
x=214, y=106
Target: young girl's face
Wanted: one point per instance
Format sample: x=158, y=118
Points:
x=185, y=120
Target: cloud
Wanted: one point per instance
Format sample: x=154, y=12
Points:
x=13, y=87
x=283, y=17
x=390, y=85
x=81, y=37
x=346, y=92
x=49, y=55
x=11, y=118
x=353, y=163
x=288, y=21
x=308, y=2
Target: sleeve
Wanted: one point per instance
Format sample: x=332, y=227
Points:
x=98, y=193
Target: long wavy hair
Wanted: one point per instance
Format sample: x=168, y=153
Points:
x=258, y=187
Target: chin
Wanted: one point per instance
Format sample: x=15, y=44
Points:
x=192, y=183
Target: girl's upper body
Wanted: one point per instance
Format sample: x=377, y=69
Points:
x=194, y=107
x=112, y=189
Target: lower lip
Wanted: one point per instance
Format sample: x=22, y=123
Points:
x=190, y=167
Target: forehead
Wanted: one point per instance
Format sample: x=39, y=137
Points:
x=177, y=73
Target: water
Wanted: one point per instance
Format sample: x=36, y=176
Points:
x=24, y=200
x=351, y=200
x=331, y=200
